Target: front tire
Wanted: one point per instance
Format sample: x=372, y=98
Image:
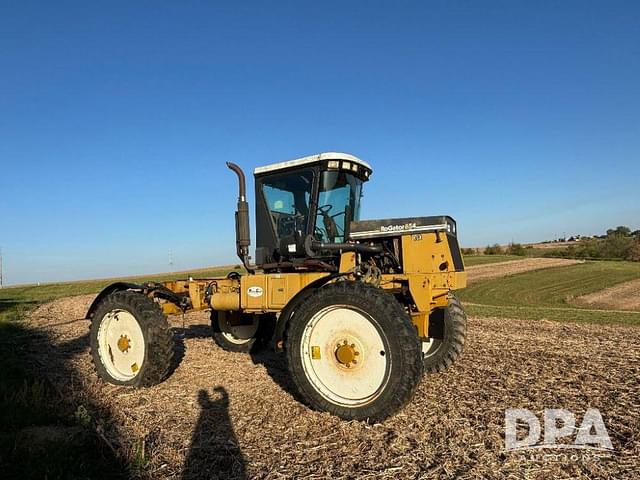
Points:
x=353, y=352
x=131, y=341
x=448, y=332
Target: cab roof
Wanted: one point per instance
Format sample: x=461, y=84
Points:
x=312, y=159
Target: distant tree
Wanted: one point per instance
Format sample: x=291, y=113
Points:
x=515, y=249
x=616, y=246
x=494, y=249
x=634, y=252
x=619, y=231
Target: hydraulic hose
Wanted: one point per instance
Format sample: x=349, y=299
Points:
x=312, y=246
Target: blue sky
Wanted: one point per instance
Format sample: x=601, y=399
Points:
x=520, y=119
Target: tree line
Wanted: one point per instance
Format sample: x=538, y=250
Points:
x=619, y=243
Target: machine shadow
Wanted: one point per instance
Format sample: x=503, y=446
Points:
x=214, y=452
x=274, y=363
x=41, y=398
x=276, y=366
x=179, y=346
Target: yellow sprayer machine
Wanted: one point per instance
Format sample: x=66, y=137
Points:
x=360, y=308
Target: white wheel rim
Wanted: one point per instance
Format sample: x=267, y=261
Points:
x=430, y=347
x=121, y=344
x=238, y=334
x=351, y=384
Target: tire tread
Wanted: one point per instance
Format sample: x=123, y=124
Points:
x=455, y=337
x=392, y=318
x=159, y=346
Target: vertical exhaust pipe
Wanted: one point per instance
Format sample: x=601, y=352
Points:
x=243, y=233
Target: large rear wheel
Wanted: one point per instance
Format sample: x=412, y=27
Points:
x=353, y=352
x=131, y=341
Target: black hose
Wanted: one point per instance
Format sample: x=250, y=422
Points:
x=346, y=247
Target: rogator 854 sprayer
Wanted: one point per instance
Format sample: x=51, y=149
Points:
x=361, y=309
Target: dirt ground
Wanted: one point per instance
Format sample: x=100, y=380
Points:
x=225, y=415
x=625, y=296
x=502, y=269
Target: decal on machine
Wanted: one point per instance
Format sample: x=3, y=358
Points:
x=398, y=228
x=255, y=291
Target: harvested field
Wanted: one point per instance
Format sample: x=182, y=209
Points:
x=503, y=269
x=224, y=415
x=625, y=296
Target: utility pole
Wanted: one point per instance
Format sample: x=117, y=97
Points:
x=1, y=279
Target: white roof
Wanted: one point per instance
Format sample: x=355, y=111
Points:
x=312, y=159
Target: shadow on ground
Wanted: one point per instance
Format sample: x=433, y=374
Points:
x=276, y=366
x=44, y=432
x=262, y=354
x=214, y=452
x=180, y=334
x=54, y=425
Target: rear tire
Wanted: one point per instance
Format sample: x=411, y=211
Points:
x=450, y=325
x=131, y=341
x=353, y=351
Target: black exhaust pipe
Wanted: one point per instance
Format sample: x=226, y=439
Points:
x=243, y=233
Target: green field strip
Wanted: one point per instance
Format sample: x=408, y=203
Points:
x=545, y=293
x=15, y=301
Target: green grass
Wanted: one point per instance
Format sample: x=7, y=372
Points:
x=14, y=301
x=471, y=260
x=26, y=400
x=546, y=293
x=545, y=252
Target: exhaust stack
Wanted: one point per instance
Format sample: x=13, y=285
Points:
x=243, y=233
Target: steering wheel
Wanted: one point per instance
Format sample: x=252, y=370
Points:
x=325, y=209
x=331, y=228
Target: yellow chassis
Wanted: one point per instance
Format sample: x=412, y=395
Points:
x=428, y=275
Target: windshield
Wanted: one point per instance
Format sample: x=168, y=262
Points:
x=338, y=204
x=287, y=197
